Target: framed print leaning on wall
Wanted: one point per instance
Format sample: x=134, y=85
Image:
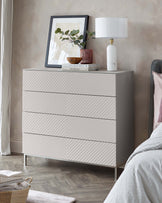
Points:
x=57, y=50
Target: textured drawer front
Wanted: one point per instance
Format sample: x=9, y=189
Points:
x=45, y=146
x=73, y=105
x=91, y=152
x=70, y=82
x=74, y=127
x=70, y=149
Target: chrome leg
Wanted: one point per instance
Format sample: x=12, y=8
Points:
x=115, y=173
x=25, y=160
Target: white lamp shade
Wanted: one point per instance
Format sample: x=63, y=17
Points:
x=111, y=28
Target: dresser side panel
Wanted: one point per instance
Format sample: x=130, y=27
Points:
x=125, y=116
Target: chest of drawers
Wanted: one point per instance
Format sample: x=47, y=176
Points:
x=83, y=117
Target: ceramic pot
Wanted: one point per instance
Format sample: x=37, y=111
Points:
x=87, y=56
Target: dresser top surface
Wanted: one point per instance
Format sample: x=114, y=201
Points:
x=60, y=70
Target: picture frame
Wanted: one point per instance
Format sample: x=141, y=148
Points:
x=57, y=50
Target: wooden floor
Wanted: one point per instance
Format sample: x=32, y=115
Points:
x=88, y=184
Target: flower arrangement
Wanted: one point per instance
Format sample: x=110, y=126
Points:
x=74, y=37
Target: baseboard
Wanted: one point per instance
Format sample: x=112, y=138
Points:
x=16, y=146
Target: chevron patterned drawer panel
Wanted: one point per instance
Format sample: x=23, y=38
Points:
x=72, y=105
x=91, y=152
x=72, y=127
x=70, y=82
x=70, y=149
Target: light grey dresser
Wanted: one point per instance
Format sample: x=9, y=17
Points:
x=84, y=117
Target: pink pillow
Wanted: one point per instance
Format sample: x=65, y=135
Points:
x=157, y=97
x=160, y=112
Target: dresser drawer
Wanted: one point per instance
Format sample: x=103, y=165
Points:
x=71, y=127
x=72, y=105
x=70, y=149
x=70, y=82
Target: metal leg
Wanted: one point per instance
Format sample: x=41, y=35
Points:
x=25, y=160
x=116, y=174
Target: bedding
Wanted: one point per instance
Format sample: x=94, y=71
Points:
x=160, y=112
x=141, y=180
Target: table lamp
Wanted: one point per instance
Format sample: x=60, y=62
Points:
x=111, y=28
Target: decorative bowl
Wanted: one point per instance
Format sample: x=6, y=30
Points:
x=74, y=60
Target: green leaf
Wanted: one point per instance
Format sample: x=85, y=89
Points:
x=82, y=44
x=76, y=42
x=80, y=37
x=65, y=38
x=67, y=32
x=73, y=38
x=90, y=34
x=58, y=30
x=74, y=32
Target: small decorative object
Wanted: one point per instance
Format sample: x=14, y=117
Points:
x=87, y=55
x=58, y=50
x=74, y=60
x=111, y=28
x=75, y=38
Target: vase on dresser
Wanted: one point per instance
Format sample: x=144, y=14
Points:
x=87, y=56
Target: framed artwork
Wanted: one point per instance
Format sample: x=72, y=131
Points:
x=57, y=50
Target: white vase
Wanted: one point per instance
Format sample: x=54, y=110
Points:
x=111, y=58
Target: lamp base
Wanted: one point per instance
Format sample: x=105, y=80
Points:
x=111, y=58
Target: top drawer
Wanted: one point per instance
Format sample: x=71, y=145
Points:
x=70, y=82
